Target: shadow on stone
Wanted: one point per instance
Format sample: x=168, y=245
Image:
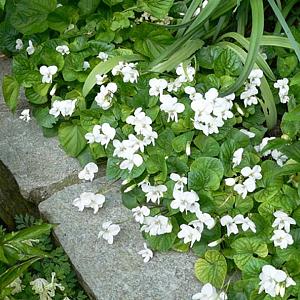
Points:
x=11, y=201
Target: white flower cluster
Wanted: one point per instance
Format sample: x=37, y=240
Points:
x=16, y=286
x=30, y=49
x=231, y=224
x=189, y=201
x=46, y=290
x=169, y=104
x=278, y=156
x=283, y=86
x=209, y=292
x=109, y=231
x=148, y=18
x=210, y=110
x=249, y=184
x=282, y=224
x=127, y=70
x=157, y=225
x=127, y=149
x=88, y=171
x=89, y=200
x=47, y=73
x=185, y=74
x=102, y=134
x=105, y=96
x=65, y=108
x=250, y=94
x=274, y=281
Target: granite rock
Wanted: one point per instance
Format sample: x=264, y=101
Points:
x=38, y=164
x=116, y=271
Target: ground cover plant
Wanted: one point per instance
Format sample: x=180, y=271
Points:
x=195, y=106
x=31, y=267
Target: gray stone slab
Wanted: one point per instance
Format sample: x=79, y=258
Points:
x=115, y=272
x=39, y=165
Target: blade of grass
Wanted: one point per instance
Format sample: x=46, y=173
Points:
x=268, y=103
x=204, y=14
x=285, y=13
x=285, y=27
x=183, y=54
x=277, y=41
x=189, y=15
x=256, y=34
x=245, y=44
x=180, y=42
x=105, y=67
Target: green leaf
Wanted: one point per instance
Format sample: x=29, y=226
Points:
x=208, y=163
x=207, y=145
x=286, y=65
x=73, y=66
x=180, y=142
x=285, y=27
x=31, y=16
x=212, y=268
x=88, y=7
x=163, y=242
x=11, y=90
x=206, y=174
x=112, y=2
x=150, y=40
x=156, y=8
x=2, y=4
x=121, y=20
x=62, y=17
x=34, y=97
x=257, y=9
x=33, y=232
x=71, y=138
x=245, y=249
x=8, y=36
x=14, y=272
x=133, y=198
x=228, y=63
x=43, y=117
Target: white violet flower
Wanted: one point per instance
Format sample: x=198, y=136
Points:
x=157, y=225
x=63, y=49
x=25, y=115
x=282, y=239
x=209, y=292
x=30, y=49
x=139, y=213
x=154, y=193
x=109, y=231
x=88, y=171
x=103, y=56
x=146, y=253
x=89, y=200
x=237, y=157
x=283, y=221
x=19, y=44
x=273, y=281
x=47, y=73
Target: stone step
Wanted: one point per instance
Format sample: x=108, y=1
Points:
x=114, y=272
x=38, y=164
